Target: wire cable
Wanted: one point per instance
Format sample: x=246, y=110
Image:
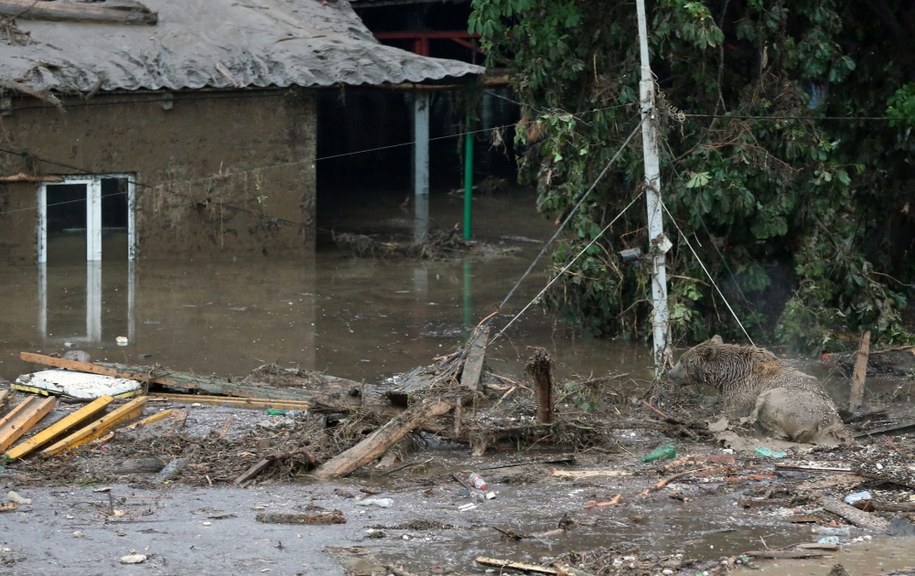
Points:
x=711, y=280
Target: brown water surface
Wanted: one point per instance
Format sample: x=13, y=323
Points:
x=363, y=319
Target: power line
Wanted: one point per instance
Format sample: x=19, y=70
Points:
x=561, y=228
x=779, y=118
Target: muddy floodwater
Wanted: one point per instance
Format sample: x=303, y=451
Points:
x=363, y=319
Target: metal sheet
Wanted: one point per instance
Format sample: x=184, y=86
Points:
x=215, y=44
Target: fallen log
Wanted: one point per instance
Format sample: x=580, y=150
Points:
x=333, y=517
x=380, y=440
x=853, y=515
x=119, y=12
x=169, y=379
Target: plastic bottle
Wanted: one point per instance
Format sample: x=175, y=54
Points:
x=477, y=481
x=661, y=453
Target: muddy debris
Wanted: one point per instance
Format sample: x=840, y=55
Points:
x=587, y=478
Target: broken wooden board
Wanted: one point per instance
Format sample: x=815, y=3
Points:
x=168, y=379
x=116, y=11
x=22, y=418
x=332, y=517
x=99, y=428
x=61, y=426
x=76, y=385
x=408, y=384
x=473, y=365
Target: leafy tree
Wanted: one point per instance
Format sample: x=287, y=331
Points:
x=786, y=129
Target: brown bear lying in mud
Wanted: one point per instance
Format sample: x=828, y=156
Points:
x=756, y=385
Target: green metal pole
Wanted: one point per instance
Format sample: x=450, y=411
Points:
x=468, y=179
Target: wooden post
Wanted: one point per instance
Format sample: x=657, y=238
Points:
x=860, y=373
x=540, y=369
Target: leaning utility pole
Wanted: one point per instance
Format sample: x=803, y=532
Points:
x=659, y=244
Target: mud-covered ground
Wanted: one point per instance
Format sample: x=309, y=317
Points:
x=580, y=497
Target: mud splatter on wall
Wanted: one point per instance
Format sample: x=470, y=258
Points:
x=218, y=174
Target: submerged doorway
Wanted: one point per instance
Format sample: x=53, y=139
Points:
x=87, y=215
x=83, y=222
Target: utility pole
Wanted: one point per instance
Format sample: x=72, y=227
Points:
x=659, y=244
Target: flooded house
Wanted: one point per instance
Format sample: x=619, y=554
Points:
x=186, y=130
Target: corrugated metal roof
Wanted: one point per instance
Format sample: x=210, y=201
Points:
x=216, y=44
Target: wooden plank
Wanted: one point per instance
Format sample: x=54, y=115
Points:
x=98, y=428
x=79, y=366
x=119, y=12
x=253, y=403
x=853, y=515
x=22, y=418
x=333, y=517
x=59, y=427
x=161, y=415
x=860, y=373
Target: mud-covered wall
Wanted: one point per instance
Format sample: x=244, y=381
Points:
x=219, y=174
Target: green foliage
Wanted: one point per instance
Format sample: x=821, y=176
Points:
x=802, y=221
x=901, y=109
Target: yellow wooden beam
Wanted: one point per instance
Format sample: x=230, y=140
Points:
x=21, y=419
x=151, y=419
x=235, y=401
x=54, y=430
x=99, y=428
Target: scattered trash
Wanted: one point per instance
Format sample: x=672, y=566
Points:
x=477, y=481
x=765, y=452
x=133, y=558
x=466, y=507
x=13, y=496
x=8, y=507
x=829, y=540
x=490, y=495
x=380, y=502
x=665, y=452
x=122, y=340
x=287, y=413
x=855, y=498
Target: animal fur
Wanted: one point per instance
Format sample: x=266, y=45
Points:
x=756, y=385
